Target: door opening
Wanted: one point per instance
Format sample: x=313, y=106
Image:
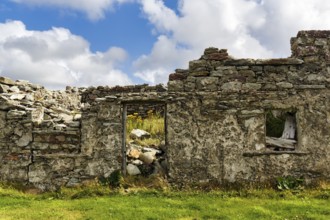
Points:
x=144, y=139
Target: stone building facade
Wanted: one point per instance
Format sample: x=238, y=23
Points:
x=217, y=112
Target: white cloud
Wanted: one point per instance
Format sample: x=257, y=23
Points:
x=247, y=28
x=94, y=9
x=199, y=24
x=56, y=58
x=284, y=18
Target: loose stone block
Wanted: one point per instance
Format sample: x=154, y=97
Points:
x=284, y=85
x=175, y=86
x=251, y=86
x=207, y=83
x=231, y=87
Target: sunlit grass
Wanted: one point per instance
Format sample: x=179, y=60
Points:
x=142, y=203
x=154, y=123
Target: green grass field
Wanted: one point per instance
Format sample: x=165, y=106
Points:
x=103, y=203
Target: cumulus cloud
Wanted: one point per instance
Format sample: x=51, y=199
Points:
x=56, y=58
x=94, y=9
x=248, y=28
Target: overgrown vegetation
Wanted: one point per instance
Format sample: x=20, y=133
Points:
x=289, y=182
x=153, y=123
x=95, y=201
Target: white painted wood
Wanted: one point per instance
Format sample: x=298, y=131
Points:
x=289, y=131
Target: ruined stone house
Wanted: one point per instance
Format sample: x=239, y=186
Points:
x=219, y=113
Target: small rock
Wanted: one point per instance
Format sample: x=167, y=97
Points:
x=147, y=157
x=137, y=162
x=17, y=96
x=14, y=89
x=15, y=114
x=29, y=97
x=4, y=88
x=134, y=153
x=74, y=124
x=132, y=170
x=22, y=82
x=37, y=115
x=77, y=117
x=139, y=134
x=65, y=117
x=7, y=81
x=24, y=140
x=60, y=127
x=151, y=150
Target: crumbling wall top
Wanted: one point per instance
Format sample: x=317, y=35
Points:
x=312, y=46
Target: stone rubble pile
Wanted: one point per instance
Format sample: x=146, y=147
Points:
x=56, y=110
x=144, y=161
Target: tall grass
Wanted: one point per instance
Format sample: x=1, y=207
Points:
x=154, y=123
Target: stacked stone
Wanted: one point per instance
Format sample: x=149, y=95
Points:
x=34, y=123
x=92, y=93
x=312, y=47
x=144, y=109
x=216, y=71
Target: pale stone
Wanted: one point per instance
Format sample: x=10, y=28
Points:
x=4, y=88
x=17, y=96
x=66, y=117
x=60, y=127
x=137, y=162
x=132, y=170
x=232, y=86
x=207, y=83
x=29, y=97
x=24, y=140
x=37, y=174
x=14, y=89
x=285, y=85
x=37, y=115
x=147, y=157
x=15, y=114
x=77, y=116
x=134, y=153
x=251, y=86
x=139, y=134
x=176, y=85
x=7, y=81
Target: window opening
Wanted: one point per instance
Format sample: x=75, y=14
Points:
x=281, y=130
x=145, y=139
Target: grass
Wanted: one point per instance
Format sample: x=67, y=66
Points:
x=154, y=124
x=165, y=204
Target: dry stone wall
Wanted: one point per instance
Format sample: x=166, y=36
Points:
x=215, y=113
x=217, y=123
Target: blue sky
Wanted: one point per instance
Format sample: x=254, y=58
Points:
x=109, y=42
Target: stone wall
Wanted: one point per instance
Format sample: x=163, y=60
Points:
x=39, y=132
x=216, y=127
x=215, y=113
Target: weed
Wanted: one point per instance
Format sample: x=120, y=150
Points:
x=289, y=182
